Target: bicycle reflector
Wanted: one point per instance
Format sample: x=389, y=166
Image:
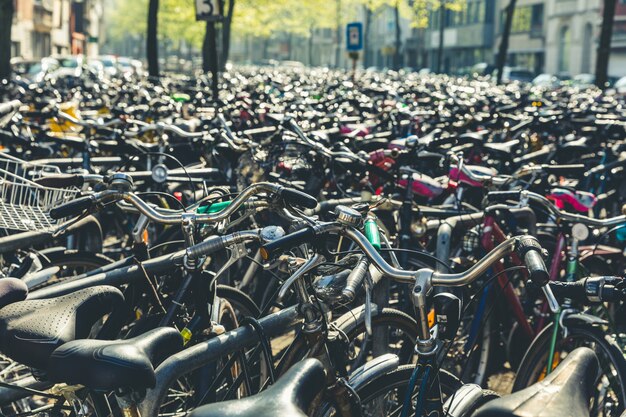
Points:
x=448, y=314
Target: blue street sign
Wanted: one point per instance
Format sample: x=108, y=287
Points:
x=354, y=36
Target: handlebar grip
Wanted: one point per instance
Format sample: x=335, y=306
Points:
x=72, y=208
x=604, y=289
x=612, y=294
x=209, y=246
x=564, y=169
x=61, y=180
x=270, y=249
x=503, y=196
x=529, y=250
x=298, y=198
x=572, y=290
x=355, y=279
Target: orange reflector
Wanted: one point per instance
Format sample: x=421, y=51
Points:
x=431, y=318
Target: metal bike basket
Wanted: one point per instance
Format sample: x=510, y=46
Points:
x=27, y=170
x=25, y=205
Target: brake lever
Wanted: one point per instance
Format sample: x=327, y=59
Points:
x=237, y=251
x=368, y=304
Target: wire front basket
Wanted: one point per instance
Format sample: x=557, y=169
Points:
x=27, y=170
x=24, y=205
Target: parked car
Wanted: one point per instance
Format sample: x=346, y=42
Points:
x=620, y=85
x=510, y=74
x=482, y=68
x=36, y=71
x=546, y=80
x=70, y=66
x=584, y=80
x=110, y=65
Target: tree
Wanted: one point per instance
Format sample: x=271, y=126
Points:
x=152, y=42
x=366, y=34
x=398, y=45
x=604, y=47
x=228, y=19
x=504, y=42
x=6, y=21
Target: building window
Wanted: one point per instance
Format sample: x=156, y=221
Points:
x=536, y=20
x=470, y=13
x=15, y=49
x=521, y=20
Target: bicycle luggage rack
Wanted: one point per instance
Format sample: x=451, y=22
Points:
x=24, y=204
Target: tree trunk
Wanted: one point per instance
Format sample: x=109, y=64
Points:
x=152, y=46
x=338, y=46
x=604, y=48
x=6, y=20
x=209, y=56
x=266, y=45
x=396, y=55
x=504, y=43
x=442, y=22
x=226, y=33
x=366, y=35
x=311, y=46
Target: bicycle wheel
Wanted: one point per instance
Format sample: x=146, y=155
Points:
x=392, y=332
x=384, y=395
x=610, y=396
x=71, y=263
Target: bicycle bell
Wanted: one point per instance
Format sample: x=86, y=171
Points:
x=270, y=233
x=121, y=182
x=580, y=231
x=159, y=173
x=348, y=216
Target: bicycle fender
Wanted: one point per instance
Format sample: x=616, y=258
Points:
x=584, y=318
x=376, y=367
x=463, y=401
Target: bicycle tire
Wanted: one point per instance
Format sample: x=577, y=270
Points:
x=389, y=384
x=535, y=360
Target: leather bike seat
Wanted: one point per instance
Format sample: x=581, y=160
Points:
x=565, y=392
x=504, y=149
x=11, y=291
x=290, y=396
x=31, y=330
x=107, y=365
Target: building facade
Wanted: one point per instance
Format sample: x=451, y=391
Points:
x=468, y=36
x=561, y=36
x=55, y=27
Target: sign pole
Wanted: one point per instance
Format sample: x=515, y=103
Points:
x=355, y=58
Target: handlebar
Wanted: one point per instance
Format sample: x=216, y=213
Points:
x=77, y=206
x=528, y=247
x=520, y=195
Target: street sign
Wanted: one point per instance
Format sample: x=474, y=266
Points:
x=207, y=10
x=354, y=36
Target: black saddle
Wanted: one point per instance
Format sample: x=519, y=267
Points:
x=31, y=330
x=291, y=396
x=105, y=365
x=565, y=392
x=12, y=290
x=504, y=149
